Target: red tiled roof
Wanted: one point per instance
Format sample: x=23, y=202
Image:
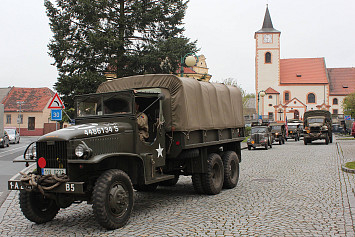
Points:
x=187, y=70
x=341, y=80
x=271, y=91
x=35, y=99
x=303, y=71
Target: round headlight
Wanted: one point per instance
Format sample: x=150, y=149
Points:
x=79, y=151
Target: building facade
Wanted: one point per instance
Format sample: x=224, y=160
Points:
x=293, y=86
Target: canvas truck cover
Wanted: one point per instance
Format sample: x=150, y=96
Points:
x=312, y=113
x=189, y=104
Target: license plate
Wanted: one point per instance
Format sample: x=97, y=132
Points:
x=53, y=171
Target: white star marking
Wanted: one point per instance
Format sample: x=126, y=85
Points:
x=160, y=151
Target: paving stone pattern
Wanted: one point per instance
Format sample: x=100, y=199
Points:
x=289, y=190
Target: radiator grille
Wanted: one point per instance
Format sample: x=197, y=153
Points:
x=55, y=153
x=315, y=129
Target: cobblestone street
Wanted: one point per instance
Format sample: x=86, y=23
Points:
x=289, y=190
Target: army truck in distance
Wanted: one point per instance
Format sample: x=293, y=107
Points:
x=317, y=126
x=195, y=128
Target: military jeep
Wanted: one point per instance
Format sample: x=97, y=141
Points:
x=278, y=131
x=260, y=136
x=294, y=131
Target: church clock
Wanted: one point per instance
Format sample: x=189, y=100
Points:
x=267, y=38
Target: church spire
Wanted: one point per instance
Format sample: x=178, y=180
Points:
x=267, y=25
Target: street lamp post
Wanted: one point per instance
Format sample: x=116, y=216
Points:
x=20, y=103
x=189, y=60
x=261, y=93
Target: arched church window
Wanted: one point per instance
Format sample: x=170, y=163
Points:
x=268, y=57
x=335, y=101
x=311, y=98
x=286, y=96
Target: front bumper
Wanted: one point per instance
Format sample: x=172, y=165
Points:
x=315, y=136
x=67, y=187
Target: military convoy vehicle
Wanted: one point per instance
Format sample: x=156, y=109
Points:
x=195, y=128
x=294, y=131
x=278, y=130
x=317, y=126
x=260, y=136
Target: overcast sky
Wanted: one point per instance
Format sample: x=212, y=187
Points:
x=224, y=30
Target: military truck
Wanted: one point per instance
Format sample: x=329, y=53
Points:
x=317, y=126
x=260, y=136
x=195, y=128
x=278, y=131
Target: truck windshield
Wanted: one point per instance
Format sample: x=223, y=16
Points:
x=116, y=103
x=292, y=126
x=315, y=120
x=276, y=128
x=258, y=130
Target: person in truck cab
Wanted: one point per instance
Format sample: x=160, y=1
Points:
x=142, y=121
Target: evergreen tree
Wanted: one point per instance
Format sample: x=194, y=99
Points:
x=126, y=37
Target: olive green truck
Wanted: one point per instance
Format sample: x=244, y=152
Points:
x=195, y=128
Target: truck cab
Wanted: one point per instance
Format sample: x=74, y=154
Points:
x=317, y=126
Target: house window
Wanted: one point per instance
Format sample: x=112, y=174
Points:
x=270, y=105
x=311, y=98
x=8, y=118
x=268, y=57
x=335, y=111
x=271, y=116
x=287, y=96
x=335, y=101
x=270, y=96
x=31, y=123
x=20, y=119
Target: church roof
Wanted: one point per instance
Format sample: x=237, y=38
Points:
x=341, y=80
x=271, y=91
x=267, y=24
x=303, y=71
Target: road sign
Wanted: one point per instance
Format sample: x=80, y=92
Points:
x=56, y=103
x=347, y=117
x=56, y=114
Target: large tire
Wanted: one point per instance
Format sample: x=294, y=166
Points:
x=331, y=138
x=305, y=141
x=266, y=146
x=283, y=140
x=36, y=207
x=280, y=141
x=212, y=181
x=113, y=199
x=197, y=183
x=270, y=144
x=145, y=187
x=170, y=182
x=249, y=147
x=231, y=169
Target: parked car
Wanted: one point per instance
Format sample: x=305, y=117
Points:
x=353, y=130
x=14, y=136
x=4, y=140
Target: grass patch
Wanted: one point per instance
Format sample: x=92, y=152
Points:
x=350, y=165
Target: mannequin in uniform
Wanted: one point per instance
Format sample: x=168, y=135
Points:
x=142, y=121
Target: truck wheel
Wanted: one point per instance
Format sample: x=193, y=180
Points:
x=197, y=182
x=36, y=207
x=331, y=138
x=170, y=182
x=327, y=139
x=283, y=140
x=113, y=199
x=249, y=147
x=212, y=181
x=231, y=169
x=266, y=146
x=305, y=141
x=270, y=144
x=280, y=141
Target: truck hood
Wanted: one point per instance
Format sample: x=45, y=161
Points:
x=86, y=131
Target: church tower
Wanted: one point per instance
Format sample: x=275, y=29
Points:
x=267, y=61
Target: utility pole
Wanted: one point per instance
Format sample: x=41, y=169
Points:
x=19, y=116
